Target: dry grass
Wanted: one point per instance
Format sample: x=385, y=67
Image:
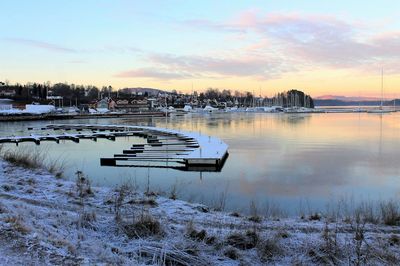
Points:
x=145, y=226
x=390, y=213
x=194, y=234
x=3, y=209
x=330, y=247
x=315, y=217
x=87, y=220
x=159, y=254
x=240, y=240
x=394, y=240
x=7, y=187
x=254, y=213
x=174, y=192
x=83, y=185
x=147, y=201
x=232, y=253
x=220, y=204
x=268, y=248
x=369, y=212
x=17, y=224
x=122, y=192
x=32, y=158
x=24, y=158
x=372, y=212
x=56, y=166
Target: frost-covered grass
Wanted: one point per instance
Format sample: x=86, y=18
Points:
x=45, y=220
x=33, y=159
x=23, y=158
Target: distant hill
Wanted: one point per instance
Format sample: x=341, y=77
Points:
x=139, y=90
x=347, y=98
x=336, y=102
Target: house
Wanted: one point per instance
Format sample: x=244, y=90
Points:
x=136, y=104
x=5, y=91
x=152, y=102
x=103, y=104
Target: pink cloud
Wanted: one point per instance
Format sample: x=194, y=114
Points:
x=52, y=47
x=239, y=66
x=152, y=73
x=277, y=43
x=41, y=45
x=169, y=67
x=247, y=18
x=316, y=40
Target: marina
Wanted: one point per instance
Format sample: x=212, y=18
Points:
x=199, y=133
x=163, y=145
x=322, y=155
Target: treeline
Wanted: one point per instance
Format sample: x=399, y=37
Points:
x=70, y=92
x=41, y=92
x=82, y=94
x=291, y=98
x=227, y=95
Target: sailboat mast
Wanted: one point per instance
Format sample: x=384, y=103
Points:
x=382, y=89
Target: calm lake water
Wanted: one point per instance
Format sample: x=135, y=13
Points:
x=278, y=160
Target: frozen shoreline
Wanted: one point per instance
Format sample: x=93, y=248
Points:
x=44, y=220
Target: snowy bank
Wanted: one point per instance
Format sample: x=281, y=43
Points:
x=45, y=220
x=30, y=109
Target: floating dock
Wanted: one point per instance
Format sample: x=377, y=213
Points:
x=191, y=150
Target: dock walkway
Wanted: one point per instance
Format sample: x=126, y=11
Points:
x=162, y=145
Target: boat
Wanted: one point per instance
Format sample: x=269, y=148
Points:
x=209, y=109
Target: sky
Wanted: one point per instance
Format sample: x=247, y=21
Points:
x=321, y=47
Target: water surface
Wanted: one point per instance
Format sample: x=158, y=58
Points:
x=285, y=160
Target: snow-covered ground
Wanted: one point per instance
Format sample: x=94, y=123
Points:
x=31, y=109
x=45, y=220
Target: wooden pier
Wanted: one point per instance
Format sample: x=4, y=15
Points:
x=193, y=151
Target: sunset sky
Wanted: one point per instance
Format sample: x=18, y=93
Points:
x=322, y=47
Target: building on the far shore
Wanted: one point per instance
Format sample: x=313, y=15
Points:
x=136, y=104
x=6, y=92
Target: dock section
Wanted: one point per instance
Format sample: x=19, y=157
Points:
x=192, y=151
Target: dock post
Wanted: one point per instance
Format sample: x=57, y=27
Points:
x=108, y=162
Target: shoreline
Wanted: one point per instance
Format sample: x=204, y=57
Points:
x=15, y=118
x=45, y=117
x=44, y=219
